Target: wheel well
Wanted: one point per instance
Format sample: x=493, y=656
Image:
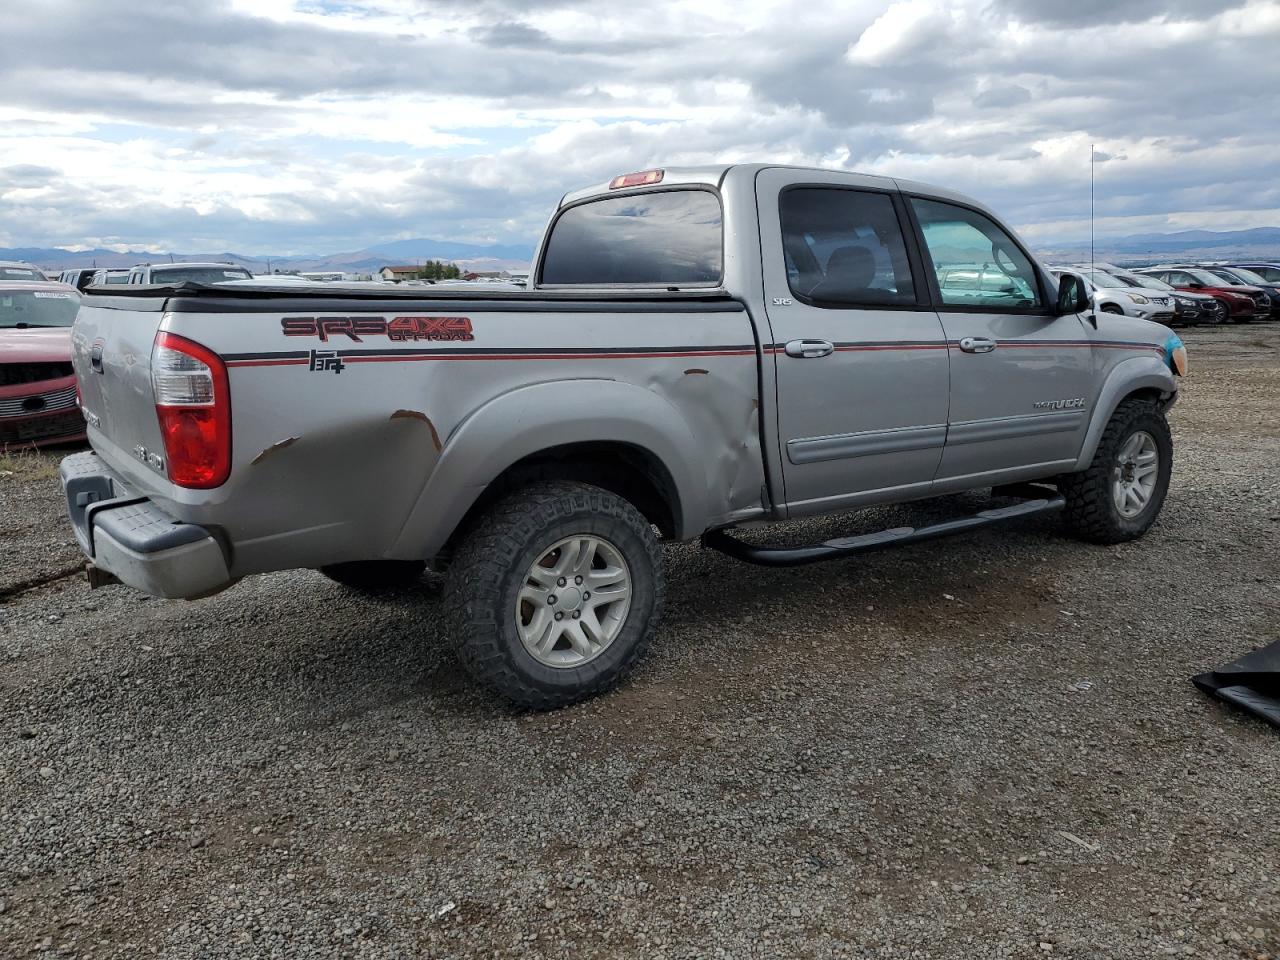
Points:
x=1159, y=397
x=631, y=472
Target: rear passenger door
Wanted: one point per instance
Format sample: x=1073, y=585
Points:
x=859, y=355
x=1021, y=377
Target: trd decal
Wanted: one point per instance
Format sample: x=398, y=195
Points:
x=322, y=361
x=398, y=329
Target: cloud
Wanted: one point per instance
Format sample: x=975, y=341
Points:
x=281, y=126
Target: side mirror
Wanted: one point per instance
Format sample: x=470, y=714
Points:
x=1196, y=285
x=1073, y=295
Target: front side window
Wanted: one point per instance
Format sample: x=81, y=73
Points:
x=670, y=238
x=844, y=248
x=976, y=261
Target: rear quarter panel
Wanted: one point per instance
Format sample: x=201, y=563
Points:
x=336, y=440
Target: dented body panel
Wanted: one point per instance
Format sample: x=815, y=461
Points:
x=348, y=445
x=365, y=423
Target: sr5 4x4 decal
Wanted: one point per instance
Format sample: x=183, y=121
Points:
x=400, y=329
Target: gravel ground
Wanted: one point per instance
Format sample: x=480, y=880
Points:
x=982, y=747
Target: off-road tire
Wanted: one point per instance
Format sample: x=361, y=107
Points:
x=491, y=563
x=375, y=576
x=1091, y=513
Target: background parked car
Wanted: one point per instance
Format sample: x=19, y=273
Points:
x=1188, y=307
x=1243, y=275
x=78, y=277
x=38, y=400
x=104, y=278
x=1267, y=271
x=11, y=270
x=170, y=273
x=1242, y=303
x=1112, y=295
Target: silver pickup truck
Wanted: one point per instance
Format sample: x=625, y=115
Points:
x=698, y=349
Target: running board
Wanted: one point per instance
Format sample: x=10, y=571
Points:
x=868, y=542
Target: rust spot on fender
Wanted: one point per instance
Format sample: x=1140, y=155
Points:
x=419, y=415
x=272, y=449
x=694, y=370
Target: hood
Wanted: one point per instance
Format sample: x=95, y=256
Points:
x=35, y=345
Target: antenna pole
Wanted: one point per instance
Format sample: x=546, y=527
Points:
x=1092, y=157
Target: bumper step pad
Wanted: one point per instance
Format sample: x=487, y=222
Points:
x=1251, y=683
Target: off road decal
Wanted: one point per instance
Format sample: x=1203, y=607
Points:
x=397, y=329
x=324, y=361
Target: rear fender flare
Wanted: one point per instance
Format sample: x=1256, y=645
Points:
x=1126, y=377
x=528, y=420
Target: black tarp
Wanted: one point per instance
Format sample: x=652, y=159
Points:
x=1251, y=683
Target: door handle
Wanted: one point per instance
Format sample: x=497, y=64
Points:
x=809, y=349
x=977, y=345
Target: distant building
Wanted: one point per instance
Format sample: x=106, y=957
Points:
x=400, y=273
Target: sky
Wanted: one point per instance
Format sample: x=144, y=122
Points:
x=318, y=126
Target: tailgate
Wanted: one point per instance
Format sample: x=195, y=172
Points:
x=111, y=350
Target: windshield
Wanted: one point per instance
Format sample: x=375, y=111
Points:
x=1247, y=276
x=1101, y=278
x=669, y=238
x=1137, y=280
x=20, y=273
x=181, y=274
x=37, y=308
x=1207, y=278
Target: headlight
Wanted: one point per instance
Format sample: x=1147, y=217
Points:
x=1184, y=302
x=1137, y=299
x=1175, y=354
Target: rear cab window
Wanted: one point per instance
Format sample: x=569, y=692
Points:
x=664, y=238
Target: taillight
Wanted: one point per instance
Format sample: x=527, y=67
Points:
x=193, y=404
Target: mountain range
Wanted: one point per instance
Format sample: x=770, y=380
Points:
x=1256, y=243
x=469, y=256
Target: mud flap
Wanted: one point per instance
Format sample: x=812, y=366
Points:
x=1251, y=683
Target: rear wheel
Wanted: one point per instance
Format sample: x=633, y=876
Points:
x=555, y=594
x=1120, y=495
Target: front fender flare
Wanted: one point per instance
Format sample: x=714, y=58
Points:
x=1126, y=377
x=525, y=421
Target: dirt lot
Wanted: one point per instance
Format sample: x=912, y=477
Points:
x=973, y=748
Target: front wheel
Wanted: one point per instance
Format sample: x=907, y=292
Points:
x=1120, y=495
x=555, y=594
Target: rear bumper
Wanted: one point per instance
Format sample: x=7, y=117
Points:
x=130, y=538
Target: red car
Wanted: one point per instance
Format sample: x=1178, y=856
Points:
x=39, y=404
x=1243, y=303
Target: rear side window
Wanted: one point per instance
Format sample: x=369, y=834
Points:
x=844, y=248
x=977, y=263
x=671, y=238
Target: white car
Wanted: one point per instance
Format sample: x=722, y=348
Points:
x=161, y=274
x=20, y=270
x=1112, y=295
